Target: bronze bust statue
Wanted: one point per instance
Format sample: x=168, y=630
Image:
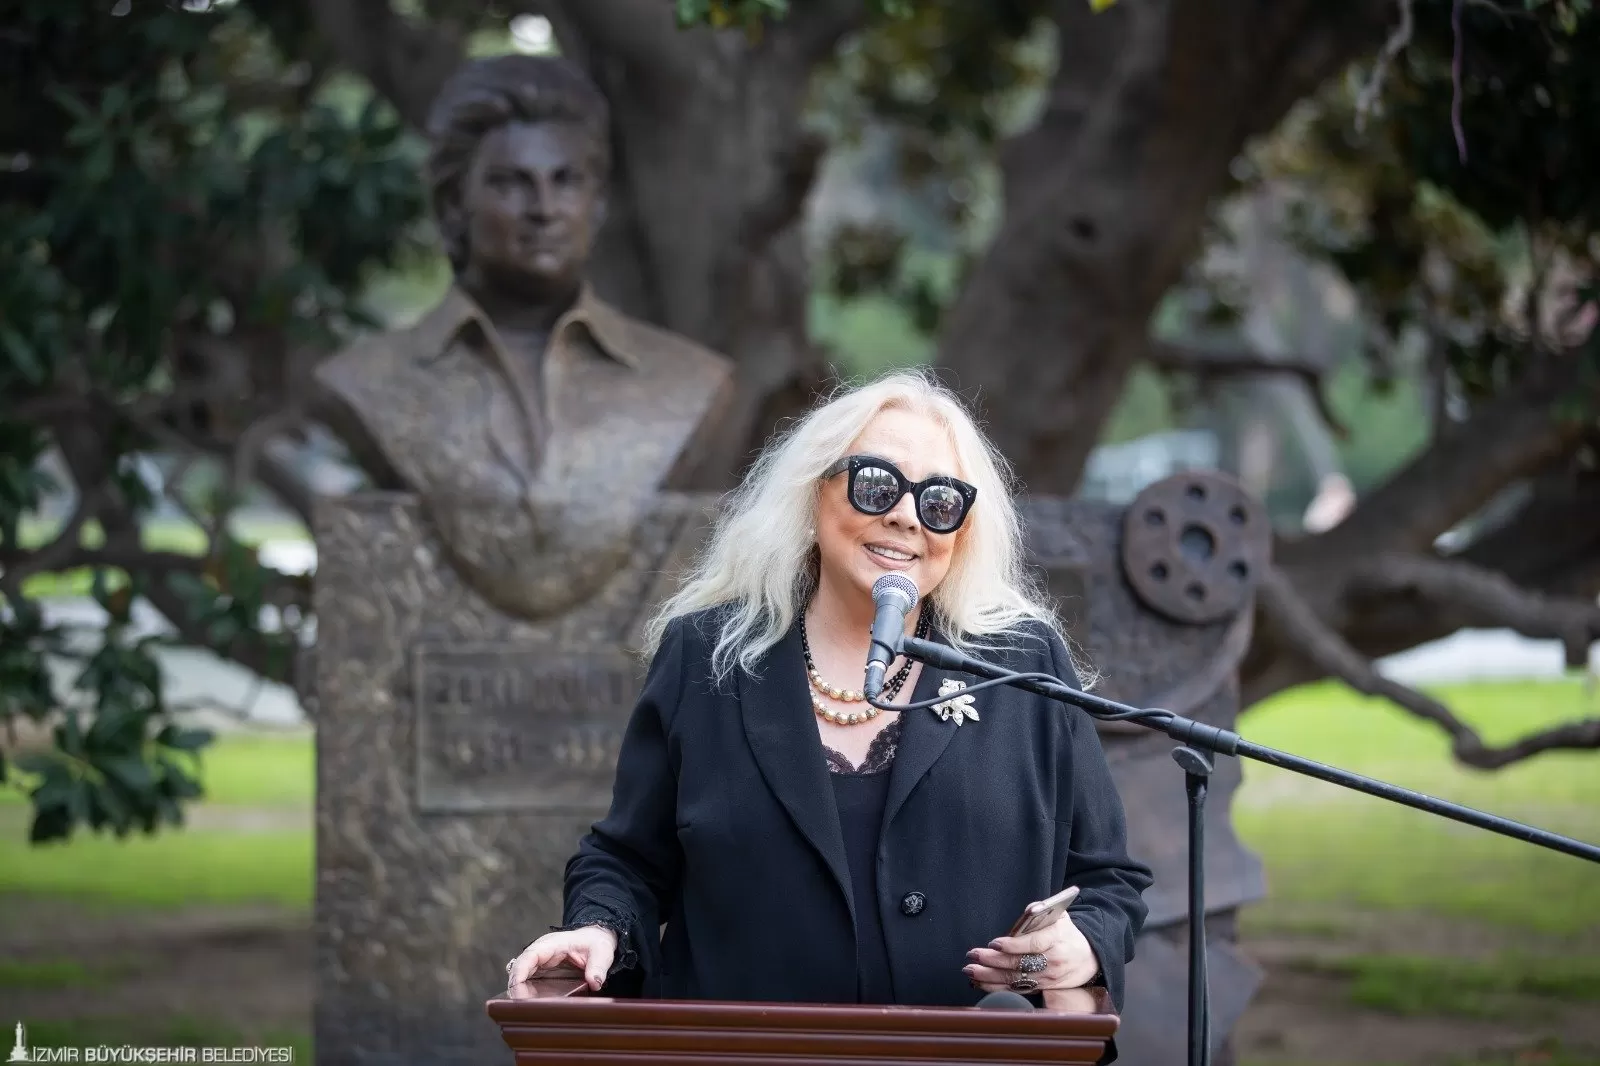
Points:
x=533, y=420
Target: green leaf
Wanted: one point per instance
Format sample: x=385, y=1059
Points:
x=69, y=735
x=114, y=809
x=54, y=823
x=117, y=728
x=179, y=739
x=177, y=783
x=35, y=762
x=691, y=12
x=22, y=356
x=80, y=801
x=55, y=790
x=132, y=772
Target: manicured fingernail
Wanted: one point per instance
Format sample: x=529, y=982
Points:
x=973, y=954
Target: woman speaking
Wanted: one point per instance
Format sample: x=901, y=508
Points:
x=772, y=836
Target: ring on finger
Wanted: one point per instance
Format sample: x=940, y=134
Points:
x=1024, y=984
x=512, y=965
x=1033, y=962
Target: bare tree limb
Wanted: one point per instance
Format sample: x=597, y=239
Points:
x=121, y=554
x=1380, y=68
x=282, y=482
x=1309, y=635
x=251, y=463
x=19, y=566
x=265, y=656
x=1239, y=362
x=1553, y=542
x=92, y=403
x=1330, y=653
x=1516, y=434
x=1481, y=597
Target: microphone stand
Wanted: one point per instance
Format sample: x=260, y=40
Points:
x=1198, y=743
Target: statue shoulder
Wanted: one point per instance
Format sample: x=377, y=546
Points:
x=662, y=349
x=365, y=394
x=377, y=352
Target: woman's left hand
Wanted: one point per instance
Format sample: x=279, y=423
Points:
x=1069, y=961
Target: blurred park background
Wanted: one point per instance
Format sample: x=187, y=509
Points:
x=1345, y=252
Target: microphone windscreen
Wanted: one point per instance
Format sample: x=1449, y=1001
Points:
x=1004, y=1000
x=895, y=584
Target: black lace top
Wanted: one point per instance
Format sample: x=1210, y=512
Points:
x=880, y=753
x=860, y=792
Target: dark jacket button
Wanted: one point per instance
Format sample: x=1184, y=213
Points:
x=913, y=902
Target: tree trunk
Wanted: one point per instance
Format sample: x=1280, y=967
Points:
x=703, y=235
x=1105, y=200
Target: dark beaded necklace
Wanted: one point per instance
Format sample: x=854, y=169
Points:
x=891, y=688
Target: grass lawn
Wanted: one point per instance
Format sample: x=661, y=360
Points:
x=172, y=869
x=1323, y=844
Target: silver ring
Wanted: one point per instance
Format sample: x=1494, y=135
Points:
x=512, y=965
x=1033, y=962
x=1024, y=984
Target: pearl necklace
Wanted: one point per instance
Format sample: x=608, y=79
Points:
x=891, y=688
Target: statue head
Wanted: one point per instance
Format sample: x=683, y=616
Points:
x=517, y=168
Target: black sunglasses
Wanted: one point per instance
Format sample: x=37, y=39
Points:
x=876, y=485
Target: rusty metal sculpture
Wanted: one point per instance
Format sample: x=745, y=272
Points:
x=1151, y=643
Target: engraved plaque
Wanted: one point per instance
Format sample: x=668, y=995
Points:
x=504, y=727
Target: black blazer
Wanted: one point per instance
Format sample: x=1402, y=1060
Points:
x=723, y=827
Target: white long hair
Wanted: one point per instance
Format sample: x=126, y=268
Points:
x=759, y=561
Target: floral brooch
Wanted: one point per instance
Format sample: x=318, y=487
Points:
x=958, y=706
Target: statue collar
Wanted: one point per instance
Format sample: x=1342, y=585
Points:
x=611, y=331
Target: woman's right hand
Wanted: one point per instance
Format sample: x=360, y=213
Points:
x=591, y=949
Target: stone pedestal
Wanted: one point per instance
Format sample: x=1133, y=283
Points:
x=462, y=753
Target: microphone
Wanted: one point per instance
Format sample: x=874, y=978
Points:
x=893, y=596
x=1004, y=1000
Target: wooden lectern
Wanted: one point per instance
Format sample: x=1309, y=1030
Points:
x=555, y=1019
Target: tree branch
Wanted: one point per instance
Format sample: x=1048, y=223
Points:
x=19, y=566
x=1518, y=433
x=1482, y=598
x=286, y=486
x=1380, y=67
x=93, y=402
x=1217, y=363
x=1553, y=543
x=251, y=462
x=256, y=652
x=121, y=554
x=1329, y=652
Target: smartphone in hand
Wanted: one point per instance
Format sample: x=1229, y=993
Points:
x=1044, y=913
